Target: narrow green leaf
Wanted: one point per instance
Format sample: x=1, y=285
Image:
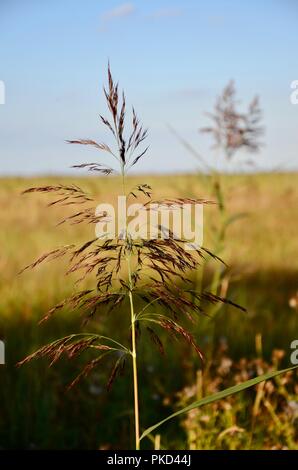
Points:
x=218, y=396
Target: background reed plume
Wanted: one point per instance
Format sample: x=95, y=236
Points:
x=232, y=129
x=124, y=269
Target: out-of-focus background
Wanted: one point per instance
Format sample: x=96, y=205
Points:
x=173, y=59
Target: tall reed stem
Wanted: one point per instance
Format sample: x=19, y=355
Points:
x=133, y=340
x=135, y=373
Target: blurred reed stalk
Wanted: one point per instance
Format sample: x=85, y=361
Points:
x=232, y=131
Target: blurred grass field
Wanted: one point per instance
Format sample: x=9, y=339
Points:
x=261, y=251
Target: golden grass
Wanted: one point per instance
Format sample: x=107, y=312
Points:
x=266, y=239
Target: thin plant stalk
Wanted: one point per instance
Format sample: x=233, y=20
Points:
x=135, y=368
x=133, y=337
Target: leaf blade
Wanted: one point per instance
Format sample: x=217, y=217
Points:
x=218, y=396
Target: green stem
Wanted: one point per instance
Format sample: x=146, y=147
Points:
x=134, y=361
x=135, y=376
x=133, y=338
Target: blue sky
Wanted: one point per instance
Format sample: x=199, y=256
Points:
x=171, y=57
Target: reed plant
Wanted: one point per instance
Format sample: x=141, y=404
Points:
x=128, y=274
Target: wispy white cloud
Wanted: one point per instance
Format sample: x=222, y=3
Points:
x=217, y=20
x=127, y=9
x=186, y=94
x=165, y=13
x=121, y=11
x=190, y=93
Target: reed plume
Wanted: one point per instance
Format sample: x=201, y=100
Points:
x=124, y=268
x=232, y=129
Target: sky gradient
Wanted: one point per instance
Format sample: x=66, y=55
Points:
x=171, y=57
